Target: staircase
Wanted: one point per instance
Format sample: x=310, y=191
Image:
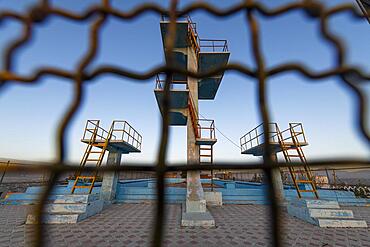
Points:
x=69, y=209
x=293, y=153
x=323, y=213
x=94, y=154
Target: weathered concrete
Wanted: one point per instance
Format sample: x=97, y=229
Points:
x=213, y=198
x=277, y=181
x=131, y=225
x=195, y=200
x=69, y=210
x=110, y=179
x=202, y=219
x=323, y=213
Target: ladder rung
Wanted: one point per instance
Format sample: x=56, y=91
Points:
x=96, y=152
x=299, y=171
x=98, y=144
x=286, y=146
x=84, y=177
x=304, y=181
x=293, y=155
x=92, y=159
x=205, y=148
x=306, y=190
x=205, y=155
x=82, y=186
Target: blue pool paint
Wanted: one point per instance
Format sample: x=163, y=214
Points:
x=233, y=192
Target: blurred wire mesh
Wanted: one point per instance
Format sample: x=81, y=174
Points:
x=351, y=78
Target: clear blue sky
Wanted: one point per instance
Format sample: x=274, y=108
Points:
x=30, y=114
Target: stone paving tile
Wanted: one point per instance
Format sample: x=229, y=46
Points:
x=131, y=225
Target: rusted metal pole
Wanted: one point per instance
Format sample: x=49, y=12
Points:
x=6, y=168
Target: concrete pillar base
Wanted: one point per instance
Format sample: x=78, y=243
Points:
x=110, y=179
x=198, y=206
x=202, y=219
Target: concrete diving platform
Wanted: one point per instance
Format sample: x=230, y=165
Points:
x=182, y=31
x=205, y=141
x=206, y=134
x=178, y=98
x=253, y=142
x=276, y=147
x=209, y=61
x=124, y=138
x=186, y=36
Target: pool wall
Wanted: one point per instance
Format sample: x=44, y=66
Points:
x=144, y=190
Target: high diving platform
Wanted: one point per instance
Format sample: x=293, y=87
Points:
x=212, y=54
x=178, y=96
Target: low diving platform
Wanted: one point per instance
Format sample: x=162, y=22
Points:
x=121, y=137
x=253, y=142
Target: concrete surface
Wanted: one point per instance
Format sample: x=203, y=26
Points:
x=131, y=225
x=110, y=179
x=69, y=209
x=196, y=219
x=213, y=198
x=323, y=213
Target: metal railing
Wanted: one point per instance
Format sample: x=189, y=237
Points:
x=43, y=11
x=125, y=132
x=206, y=129
x=192, y=30
x=160, y=81
x=213, y=45
x=256, y=136
x=92, y=126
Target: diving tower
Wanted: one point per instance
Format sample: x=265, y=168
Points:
x=197, y=55
x=290, y=142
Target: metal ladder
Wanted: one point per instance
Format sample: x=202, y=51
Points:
x=206, y=158
x=93, y=148
x=205, y=151
x=293, y=153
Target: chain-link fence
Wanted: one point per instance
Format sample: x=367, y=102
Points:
x=351, y=78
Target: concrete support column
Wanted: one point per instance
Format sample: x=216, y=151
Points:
x=195, y=199
x=278, y=182
x=110, y=179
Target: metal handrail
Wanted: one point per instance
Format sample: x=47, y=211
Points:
x=160, y=81
x=214, y=45
x=210, y=126
x=96, y=130
x=255, y=137
x=127, y=133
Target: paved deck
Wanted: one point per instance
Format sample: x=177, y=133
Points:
x=130, y=225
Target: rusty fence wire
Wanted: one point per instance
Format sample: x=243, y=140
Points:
x=352, y=78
